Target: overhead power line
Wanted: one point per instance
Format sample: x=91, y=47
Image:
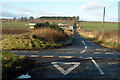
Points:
x=115, y=4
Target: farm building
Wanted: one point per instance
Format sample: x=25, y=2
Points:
x=70, y=27
x=32, y=25
x=61, y=24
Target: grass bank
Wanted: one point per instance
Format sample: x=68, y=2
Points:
x=13, y=65
x=110, y=39
x=41, y=38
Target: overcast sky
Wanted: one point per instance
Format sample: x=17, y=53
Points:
x=89, y=10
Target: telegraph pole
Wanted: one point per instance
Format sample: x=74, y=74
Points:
x=103, y=23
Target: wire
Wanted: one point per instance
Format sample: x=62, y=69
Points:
x=115, y=4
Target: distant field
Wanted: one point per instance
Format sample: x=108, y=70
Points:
x=15, y=25
x=98, y=26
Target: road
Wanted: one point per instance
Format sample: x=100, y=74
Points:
x=81, y=60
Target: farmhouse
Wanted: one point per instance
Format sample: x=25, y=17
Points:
x=62, y=25
x=65, y=26
x=32, y=25
x=70, y=27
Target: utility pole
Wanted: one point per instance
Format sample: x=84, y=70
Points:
x=103, y=23
x=118, y=22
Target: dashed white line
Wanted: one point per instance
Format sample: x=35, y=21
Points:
x=97, y=52
x=66, y=56
x=14, y=51
x=47, y=56
x=98, y=67
x=83, y=51
x=80, y=57
x=109, y=53
x=85, y=47
x=34, y=51
x=23, y=51
x=64, y=52
x=68, y=52
x=83, y=42
x=33, y=55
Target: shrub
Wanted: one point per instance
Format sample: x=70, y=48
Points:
x=46, y=24
x=50, y=34
x=38, y=25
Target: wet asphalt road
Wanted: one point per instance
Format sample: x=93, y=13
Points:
x=82, y=60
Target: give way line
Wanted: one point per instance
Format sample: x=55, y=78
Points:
x=76, y=64
x=98, y=67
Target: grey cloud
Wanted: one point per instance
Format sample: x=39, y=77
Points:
x=8, y=6
x=25, y=12
x=7, y=14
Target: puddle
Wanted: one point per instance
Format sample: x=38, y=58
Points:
x=24, y=76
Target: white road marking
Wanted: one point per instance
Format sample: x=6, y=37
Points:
x=34, y=51
x=68, y=52
x=66, y=56
x=98, y=67
x=47, y=56
x=34, y=56
x=109, y=53
x=83, y=42
x=97, y=52
x=64, y=52
x=14, y=51
x=85, y=47
x=65, y=49
x=23, y=51
x=112, y=63
x=83, y=51
x=80, y=57
x=63, y=71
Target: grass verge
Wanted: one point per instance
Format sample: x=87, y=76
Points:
x=27, y=44
x=13, y=65
x=108, y=41
x=102, y=43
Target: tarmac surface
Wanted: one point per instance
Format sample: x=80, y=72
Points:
x=82, y=60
